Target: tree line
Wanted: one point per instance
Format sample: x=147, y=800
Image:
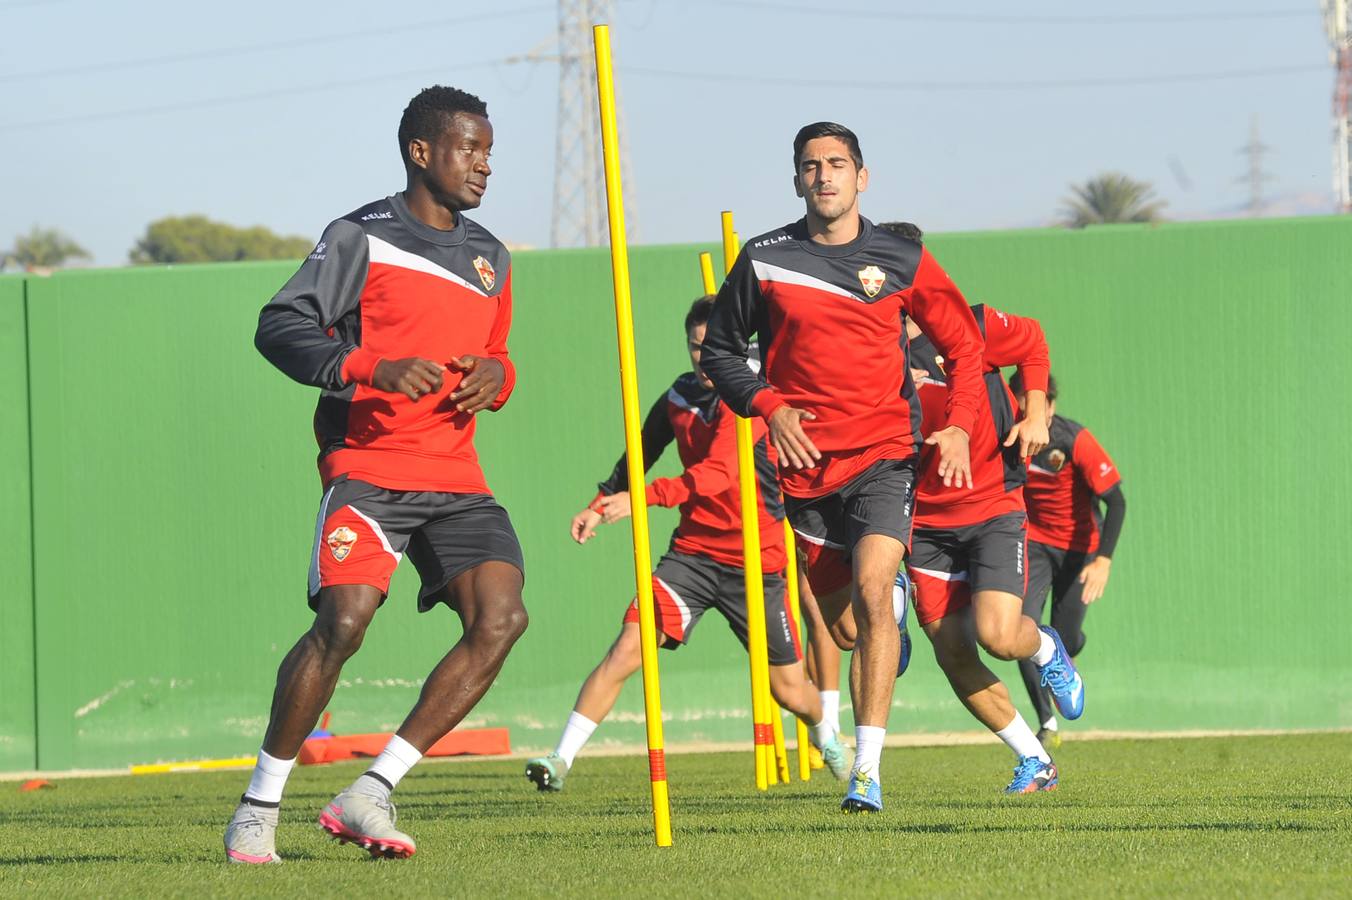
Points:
x=1105, y=199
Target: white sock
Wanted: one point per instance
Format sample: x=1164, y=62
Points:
x=831, y=709
x=1020, y=738
x=269, y=777
x=821, y=733
x=575, y=736
x=394, y=761
x=868, y=748
x=1046, y=650
x=1050, y=724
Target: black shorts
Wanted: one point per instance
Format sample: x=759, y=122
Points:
x=879, y=500
x=685, y=585
x=363, y=531
x=949, y=565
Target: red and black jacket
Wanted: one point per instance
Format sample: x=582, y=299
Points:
x=708, y=491
x=998, y=472
x=831, y=326
x=381, y=284
x=1065, y=483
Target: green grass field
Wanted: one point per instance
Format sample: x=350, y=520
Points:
x=1247, y=816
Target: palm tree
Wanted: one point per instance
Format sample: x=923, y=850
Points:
x=45, y=248
x=1110, y=198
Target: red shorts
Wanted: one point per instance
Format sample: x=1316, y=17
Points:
x=948, y=565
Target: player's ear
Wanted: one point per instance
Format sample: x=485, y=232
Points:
x=797, y=186
x=419, y=152
x=861, y=180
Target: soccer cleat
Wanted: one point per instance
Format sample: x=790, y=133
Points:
x=548, y=772
x=833, y=756
x=901, y=602
x=251, y=836
x=1062, y=678
x=814, y=759
x=1032, y=774
x=367, y=820
x=865, y=794
x=1049, y=739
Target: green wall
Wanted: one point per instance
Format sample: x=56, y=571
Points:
x=18, y=740
x=175, y=492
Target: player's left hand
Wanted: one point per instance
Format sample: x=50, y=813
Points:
x=615, y=507
x=955, y=460
x=1094, y=577
x=483, y=381
x=1032, y=436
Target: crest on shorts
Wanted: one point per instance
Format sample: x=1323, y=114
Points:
x=486, y=273
x=1056, y=459
x=872, y=278
x=340, y=541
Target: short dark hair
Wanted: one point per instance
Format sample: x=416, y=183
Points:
x=429, y=114
x=699, y=314
x=905, y=229
x=827, y=129
x=1016, y=385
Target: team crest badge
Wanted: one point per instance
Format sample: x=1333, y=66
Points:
x=1056, y=459
x=486, y=273
x=872, y=278
x=340, y=541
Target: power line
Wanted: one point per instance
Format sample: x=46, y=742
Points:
x=958, y=86
x=209, y=102
x=988, y=19
x=243, y=50
x=712, y=77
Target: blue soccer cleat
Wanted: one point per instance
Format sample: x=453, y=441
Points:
x=865, y=794
x=901, y=602
x=1032, y=774
x=1061, y=677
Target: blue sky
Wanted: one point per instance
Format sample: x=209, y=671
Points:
x=971, y=117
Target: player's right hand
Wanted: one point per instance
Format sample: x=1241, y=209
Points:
x=584, y=525
x=413, y=377
x=796, y=450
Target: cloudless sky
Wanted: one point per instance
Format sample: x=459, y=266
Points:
x=972, y=116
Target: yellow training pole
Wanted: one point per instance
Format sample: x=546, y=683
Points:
x=706, y=273
x=633, y=437
x=796, y=611
x=758, y=651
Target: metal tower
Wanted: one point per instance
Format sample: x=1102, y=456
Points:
x=1255, y=178
x=1340, y=54
x=579, y=218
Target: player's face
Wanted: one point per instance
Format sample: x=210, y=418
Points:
x=455, y=165
x=828, y=179
x=694, y=339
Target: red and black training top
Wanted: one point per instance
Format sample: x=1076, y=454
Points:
x=707, y=492
x=831, y=326
x=997, y=471
x=1065, y=483
x=381, y=284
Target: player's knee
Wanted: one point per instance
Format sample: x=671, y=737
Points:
x=1000, y=643
x=340, y=635
x=1074, y=642
x=502, y=623
x=843, y=634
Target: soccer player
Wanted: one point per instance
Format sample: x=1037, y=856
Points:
x=967, y=557
x=400, y=316
x=1068, y=552
x=828, y=295
x=704, y=568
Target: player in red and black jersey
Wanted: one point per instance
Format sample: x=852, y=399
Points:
x=1070, y=547
x=704, y=568
x=968, y=558
x=828, y=296
x=400, y=316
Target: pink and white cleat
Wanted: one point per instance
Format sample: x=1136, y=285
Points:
x=367, y=820
x=251, y=836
